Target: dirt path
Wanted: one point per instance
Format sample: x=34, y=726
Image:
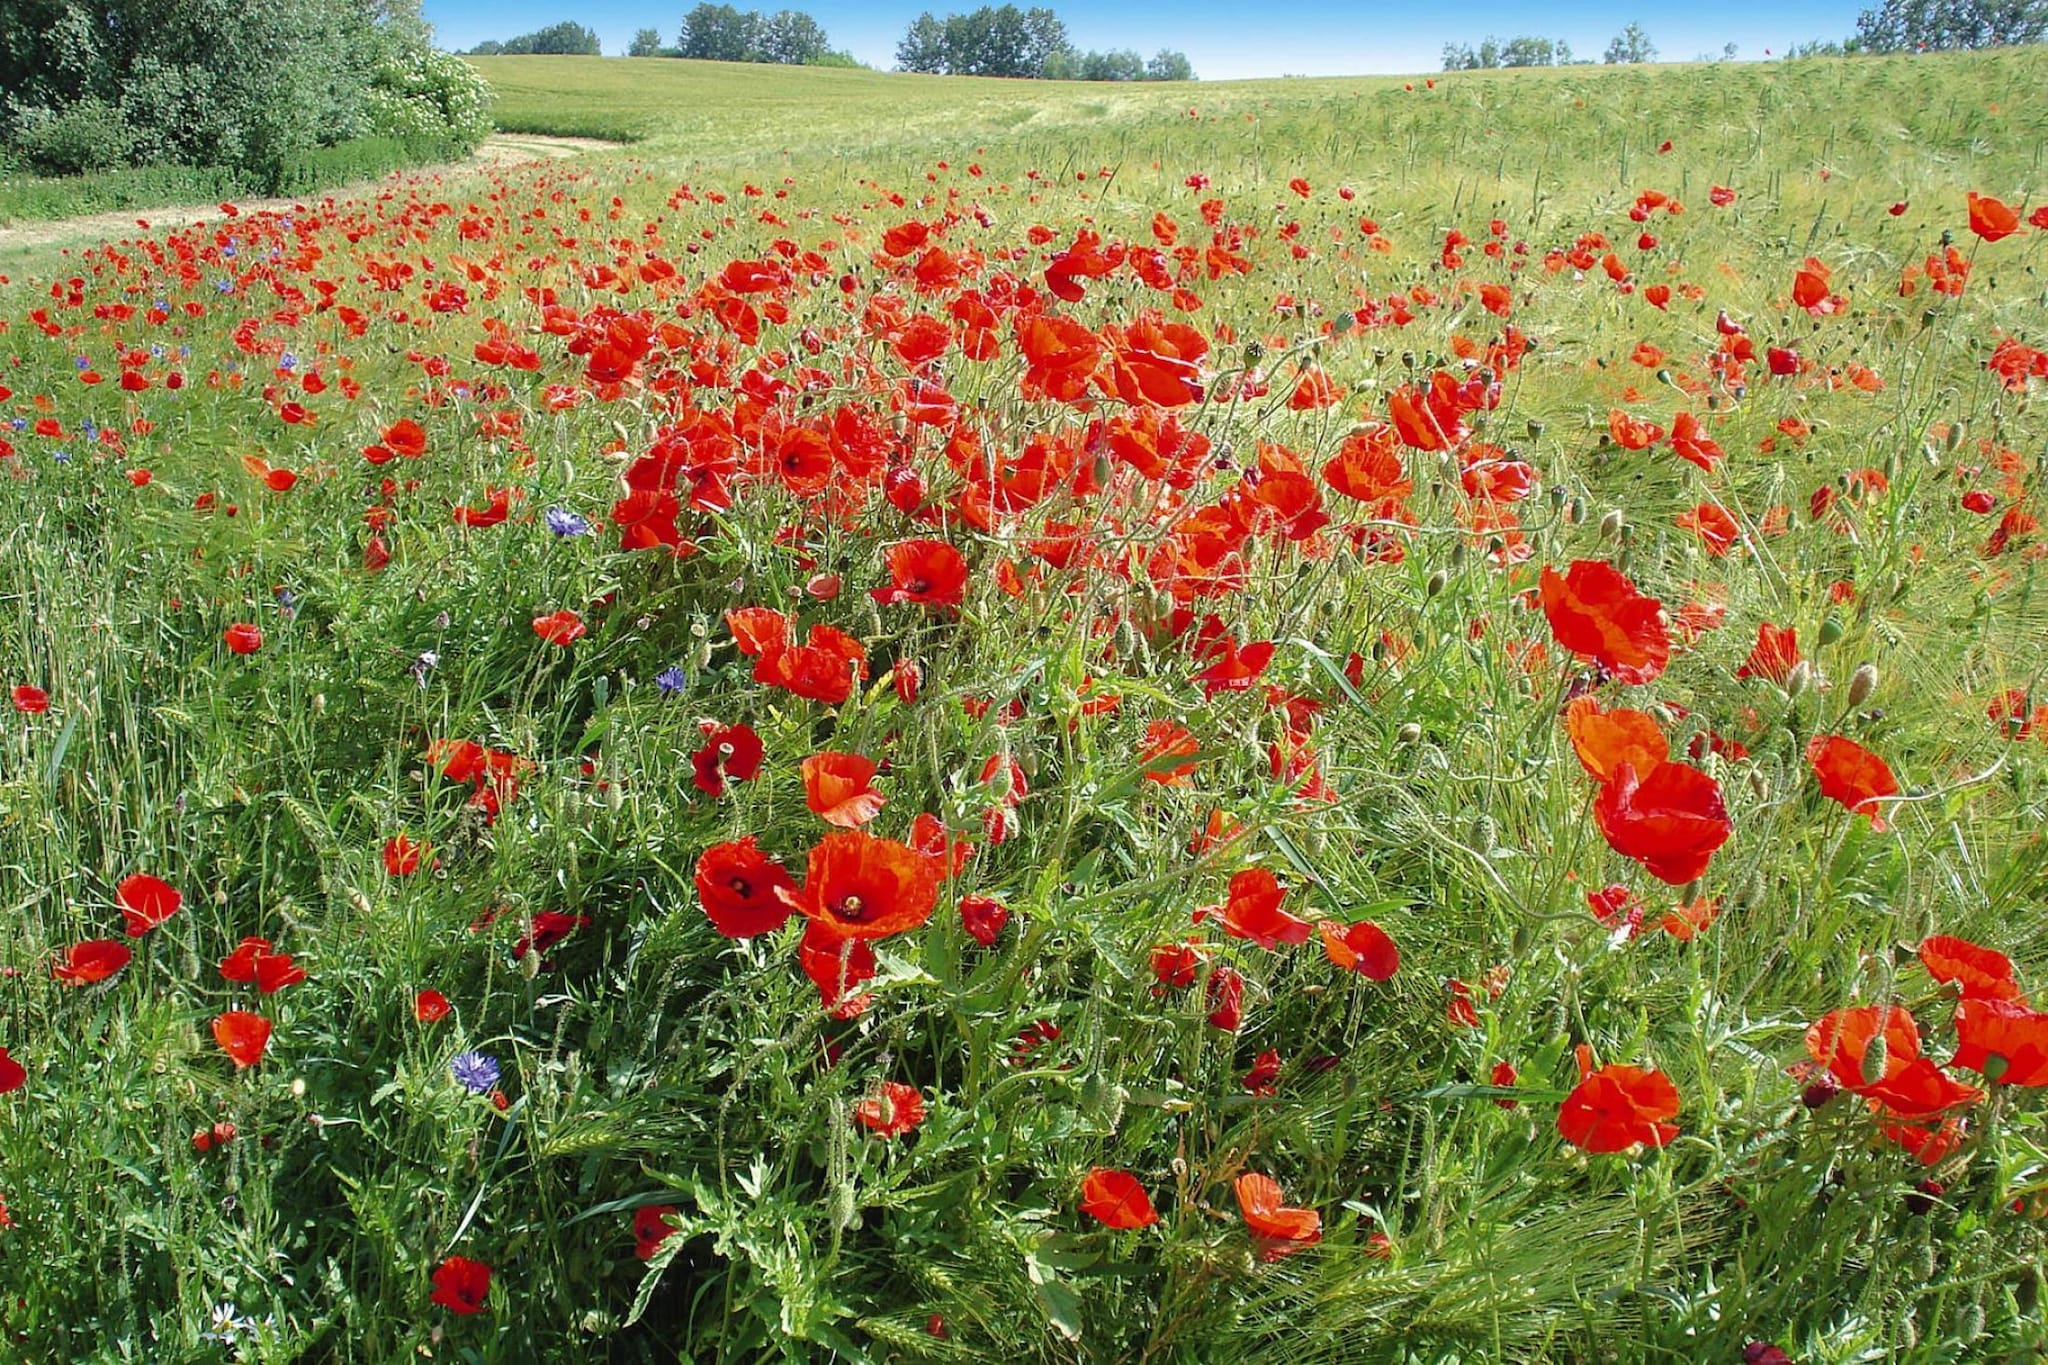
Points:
x=499, y=149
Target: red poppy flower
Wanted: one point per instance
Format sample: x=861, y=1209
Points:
x=925, y=571
x=1616, y=1107
x=562, y=628
x=402, y=855
x=31, y=701
x=1606, y=740
x=1225, y=998
x=547, y=928
x=1264, y=1077
x=242, y=1035
x=1714, y=524
x=1165, y=742
x=1253, y=911
x=892, y=1110
x=1690, y=441
x=1979, y=973
x=1670, y=821
x=430, y=1006
x=1362, y=947
x=1840, y=1039
x=1116, y=1199
x=1990, y=218
x=1632, y=433
x=243, y=638
x=2003, y=1041
x=1596, y=613
x=1774, y=656
x=1919, y=1089
x=94, y=960
x=1278, y=1229
x=730, y=753
x=240, y=965
x=146, y=902
x=838, y=966
x=13, y=1076
x=461, y=1285
x=859, y=886
x=1852, y=775
x=839, y=789
x=652, y=1227
x=742, y=889
x=983, y=917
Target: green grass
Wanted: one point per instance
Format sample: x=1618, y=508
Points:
x=647, y=1060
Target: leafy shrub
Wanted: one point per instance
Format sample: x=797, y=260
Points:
x=86, y=136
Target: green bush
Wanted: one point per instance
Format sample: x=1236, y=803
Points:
x=86, y=136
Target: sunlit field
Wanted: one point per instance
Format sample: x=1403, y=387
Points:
x=927, y=719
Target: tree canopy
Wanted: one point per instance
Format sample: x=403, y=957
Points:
x=723, y=33
x=1028, y=44
x=566, y=39
x=91, y=84
x=1951, y=25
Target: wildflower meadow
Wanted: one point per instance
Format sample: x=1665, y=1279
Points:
x=916, y=720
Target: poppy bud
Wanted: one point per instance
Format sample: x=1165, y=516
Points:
x=1875, y=1055
x=1862, y=683
x=1575, y=511
x=1535, y=428
x=1611, y=524
x=1558, y=495
x=1831, y=630
x=1798, y=680
x=844, y=1215
x=1970, y=1321
x=1956, y=431
x=1411, y=733
x=1436, y=583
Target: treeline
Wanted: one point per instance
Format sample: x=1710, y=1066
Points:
x=566, y=39
x=1492, y=53
x=1028, y=44
x=722, y=33
x=249, y=90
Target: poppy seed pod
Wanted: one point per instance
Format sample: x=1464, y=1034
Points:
x=1575, y=512
x=1862, y=683
x=1830, y=630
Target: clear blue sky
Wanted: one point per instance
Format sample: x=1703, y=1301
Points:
x=1227, y=38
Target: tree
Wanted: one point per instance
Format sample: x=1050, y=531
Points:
x=1168, y=65
x=792, y=37
x=1630, y=45
x=923, y=48
x=92, y=83
x=1951, y=25
x=1528, y=52
x=1117, y=64
x=720, y=33
x=566, y=39
x=646, y=43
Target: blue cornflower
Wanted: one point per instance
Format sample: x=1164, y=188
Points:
x=477, y=1072
x=672, y=680
x=563, y=522
x=287, y=361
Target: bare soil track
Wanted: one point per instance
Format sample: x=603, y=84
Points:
x=498, y=149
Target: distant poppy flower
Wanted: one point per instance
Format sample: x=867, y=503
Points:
x=1115, y=1199
x=892, y=1110
x=461, y=1285
x=1225, y=998
x=653, y=1226
x=1596, y=613
x=430, y=1006
x=1277, y=1229
x=839, y=789
x=402, y=855
x=1990, y=218
x=1670, y=821
x=743, y=890
x=243, y=1035
x=1253, y=911
x=1362, y=947
x=145, y=902
x=13, y=1076
x=31, y=701
x=1852, y=775
x=1774, y=656
x=1617, y=1107
x=94, y=960
x=1605, y=740
x=859, y=886
x=243, y=638
x=562, y=628
x=983, y=917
